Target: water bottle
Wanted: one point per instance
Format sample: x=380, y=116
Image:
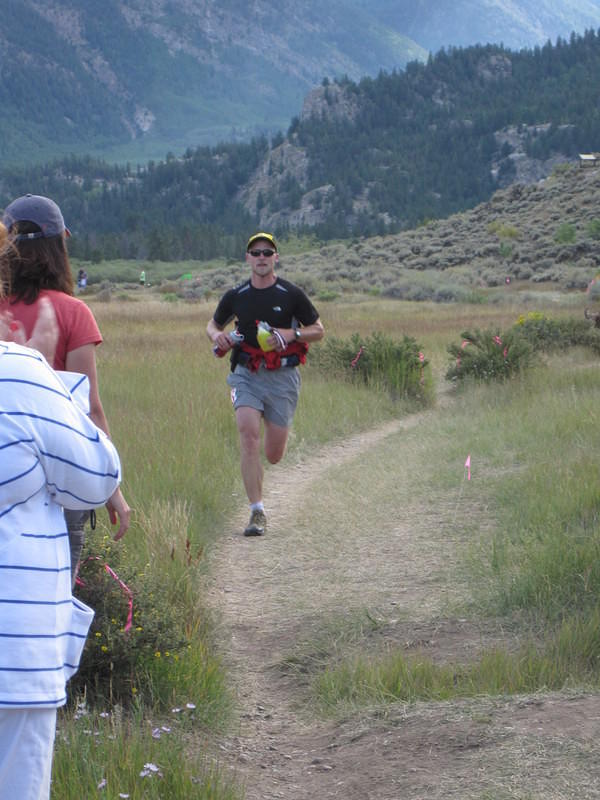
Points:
x=235, y=336
x=264, y=332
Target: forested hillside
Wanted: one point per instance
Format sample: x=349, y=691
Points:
x=140, y=79
x=430, y=141
x=376, y=156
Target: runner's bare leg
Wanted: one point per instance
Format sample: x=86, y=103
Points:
x=248, y=423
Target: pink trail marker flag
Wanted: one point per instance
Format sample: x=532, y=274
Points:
x=468, y=467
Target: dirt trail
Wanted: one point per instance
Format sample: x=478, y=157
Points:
x=275, y=595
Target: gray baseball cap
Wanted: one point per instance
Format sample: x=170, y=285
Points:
x=42, y=211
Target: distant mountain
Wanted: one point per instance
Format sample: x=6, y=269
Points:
x=140, y=78
x=135, y=79
x=437, y=23
x=378, y=156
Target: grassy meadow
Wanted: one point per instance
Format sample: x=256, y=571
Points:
x=530, y=546
x=527, y=527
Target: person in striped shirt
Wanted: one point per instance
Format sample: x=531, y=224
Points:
x=52, y=456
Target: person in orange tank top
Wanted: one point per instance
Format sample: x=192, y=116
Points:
x=41, y=311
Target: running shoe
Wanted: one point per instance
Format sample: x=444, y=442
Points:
x=257, y=525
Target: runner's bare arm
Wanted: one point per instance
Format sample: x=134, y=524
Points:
x=218, y=337
x=308, y=333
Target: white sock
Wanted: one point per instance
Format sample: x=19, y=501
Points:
x=257, y=506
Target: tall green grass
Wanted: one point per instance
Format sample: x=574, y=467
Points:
x=545, y=551
x=108, y=755
x=569, y=657
x=534, y=539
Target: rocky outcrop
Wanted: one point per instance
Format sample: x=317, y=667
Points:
x=525, y=170
x=284, y=174
x=495, y=67
x=330, y=102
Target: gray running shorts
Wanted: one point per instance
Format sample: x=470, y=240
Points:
x=273, y=392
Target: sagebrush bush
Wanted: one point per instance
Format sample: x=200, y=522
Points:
x=593, y=229
x=492, y=355
x=545, y=334
x=565, y=233
x=503, y=230
x=488, y=355
x=378, y=359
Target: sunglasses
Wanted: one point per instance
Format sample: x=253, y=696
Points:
x=267, y=252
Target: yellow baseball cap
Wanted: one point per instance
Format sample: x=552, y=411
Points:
x=261, y=235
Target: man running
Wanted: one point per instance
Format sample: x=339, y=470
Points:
x=264, y=378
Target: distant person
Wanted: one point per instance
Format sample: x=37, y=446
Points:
x=81, y=279
x=53, y=457
x=265, y=381
x=39, y=282
x=143, y=278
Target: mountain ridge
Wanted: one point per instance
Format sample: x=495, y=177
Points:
x=378, y=156
x=178, y=73
x=145, y=78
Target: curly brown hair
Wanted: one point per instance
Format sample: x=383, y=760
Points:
x=36, y=264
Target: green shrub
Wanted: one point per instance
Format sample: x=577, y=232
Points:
x=113, y=654
x=565, y=233
x=503, y=231
x=327, y=296
x=377, y=360
x=488, y=355
x=593, y=229
x=545, y=334
x=476, y=298
x=491, y=355
x=144, y=644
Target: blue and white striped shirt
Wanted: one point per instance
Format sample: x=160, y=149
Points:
x=51, y=455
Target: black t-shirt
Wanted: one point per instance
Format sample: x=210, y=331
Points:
x=282, y=305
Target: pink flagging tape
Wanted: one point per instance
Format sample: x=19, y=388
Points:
x=129, y=594
x=356, y=358
x=468, y=467
x=123, y=586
